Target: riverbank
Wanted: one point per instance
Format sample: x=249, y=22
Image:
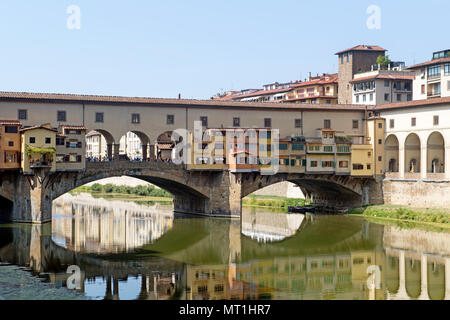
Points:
x=126, y=191
x=273, y=202
x=439, y=217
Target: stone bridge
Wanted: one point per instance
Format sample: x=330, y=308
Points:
x=28, y=198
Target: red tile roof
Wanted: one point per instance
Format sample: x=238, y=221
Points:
x=415, y=103
x=260, y=93
x=165, y=146
x=313, y=97
x=333, y=79
x=10, y=122
x=429, y=63
x=74, y=127
x=149, y=102
x=38, y=127
x=386, y=77
x=363, y=48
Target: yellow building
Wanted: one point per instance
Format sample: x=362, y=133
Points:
x=38, y=148
x=9, y=144
x=362, y=160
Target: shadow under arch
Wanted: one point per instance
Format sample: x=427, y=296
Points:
x=436, y=153
x=412, y=153
x=413, y=277
x=392, y=153
x=6, y=209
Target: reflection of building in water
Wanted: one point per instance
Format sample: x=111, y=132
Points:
x=267, y=227
x=101, y=226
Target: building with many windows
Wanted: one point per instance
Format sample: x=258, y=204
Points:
x=432, y=78
x=71, y=148
x=321, y=89
x=38, y=148
x=382, y=87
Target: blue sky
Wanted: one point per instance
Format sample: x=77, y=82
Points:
x=197, y=48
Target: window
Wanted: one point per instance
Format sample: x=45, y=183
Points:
x=371, y=97
x=204, y=121
x=327, y=164
x=380, y=126
x=99, y=117
x=313, y=164
x=218, y=288
x=447, y=69
x=422, y=89
x=327, y=124
x=434, y=71
x=170, y=119
x=380, y=158
x=48, y=140
x=11, y=129
x=357, y=166
x=386, y=83
x=391, y=123
x=413, y=122
x=355, y=124
x=10, y=143
x=386, y=97
x=364, y=98
x=357, y=99
x=32, y=140
x=328, y=148
x=380, y=141
x=61, y=116
x=283, y=146
x=59, y=141
x=343, y=149
x=298, y=123
x=236, y=122
x=135, y=118
x=268, y=123
x=22, y=114
x=343, y=164
x=298, y=147
x=399, y=97
x=409, y=97
x=369, y=166
x=436, y=120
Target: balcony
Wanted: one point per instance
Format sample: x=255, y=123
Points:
x=40, y=164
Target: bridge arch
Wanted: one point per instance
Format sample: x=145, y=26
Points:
x=412, y=153
x=413, y=277
x=435, y=153
x=164, y=145
x=135, y=144
x=6, y=209
x=392, y=153
x=101, y=143
x=436, y=280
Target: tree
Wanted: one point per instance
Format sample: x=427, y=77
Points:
x=383, y=61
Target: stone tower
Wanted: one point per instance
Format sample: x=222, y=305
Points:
x=351, y=61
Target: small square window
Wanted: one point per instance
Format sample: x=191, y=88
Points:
x=386, y=97
x=48, y=140
x=236, y=122
x=135, y=118
x=298, y=123
x=327, y=124
x=32, y=140
x=11, y=143
x=380, y=158
x=22, y=114
x=380, y=126
x=391, y=123
x=61, y=116
x=413, y=122
x=355, y=124
x=99, y=117
x=170, y=120
x=267, y=122
x=380, y=141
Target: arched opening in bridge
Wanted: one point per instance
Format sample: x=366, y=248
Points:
x=436, y=153
x=412, y=153
x=281, y=189
x=6, y=207
x=164, y=146
x=436, y=280
x=392, y=153
x=99, y=145
x=134, y=145
x=412, y=277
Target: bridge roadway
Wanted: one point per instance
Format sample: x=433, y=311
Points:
x=28, y=198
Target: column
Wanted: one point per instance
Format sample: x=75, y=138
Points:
x=152, y=152
x=401, y=161
x=447, y=279
x=424, y=278
x=423, y=161
x=109, y=149
x=402, y=275
x=447, y=162
x=144, y=152
x=115, y=289
x=116, y=152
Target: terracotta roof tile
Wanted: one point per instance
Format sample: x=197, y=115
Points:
x=415, y=103
x=38, y=127
x=94, y=99
x=429, y=63
x=386, y=77
x=10, y=122
x=363, y=48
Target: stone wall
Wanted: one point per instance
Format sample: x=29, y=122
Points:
x=418, y=193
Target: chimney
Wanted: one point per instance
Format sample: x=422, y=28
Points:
x=309, y=79
x=179, y=96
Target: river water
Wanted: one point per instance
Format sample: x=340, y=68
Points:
x=108, y=249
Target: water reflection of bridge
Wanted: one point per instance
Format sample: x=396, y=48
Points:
x=86, y=224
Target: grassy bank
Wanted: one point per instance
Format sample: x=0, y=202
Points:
x=272, y=202
x=432, y=216
x=139, y=191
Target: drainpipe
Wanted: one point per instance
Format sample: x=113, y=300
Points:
x=83, y=114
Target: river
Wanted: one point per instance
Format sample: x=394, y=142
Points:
x=109, y=249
